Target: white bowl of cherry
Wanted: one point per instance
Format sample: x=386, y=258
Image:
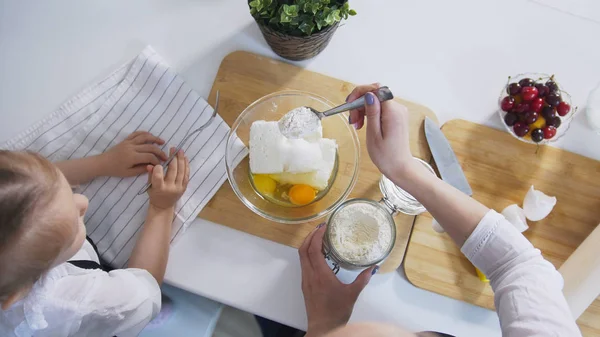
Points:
x=535, y=109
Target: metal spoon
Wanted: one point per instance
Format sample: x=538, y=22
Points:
x=383, y=94
x=182, y=143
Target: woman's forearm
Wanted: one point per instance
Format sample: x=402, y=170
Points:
x=456, y=212
x=82, y=170
x=151, y=252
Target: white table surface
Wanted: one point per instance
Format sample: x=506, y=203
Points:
x=452, y=56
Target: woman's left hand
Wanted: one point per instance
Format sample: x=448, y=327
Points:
x=329, y=302
x=130, y=157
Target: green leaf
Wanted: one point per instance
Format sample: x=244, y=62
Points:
x=352, y=12
x=285, y=18
x=330, y=19
x=254, y=3
x=315, y=8
x=307, y=28
x=336, y=15
x=274, y=20
x=302, y=4
x=295, y=21
x=290, y=10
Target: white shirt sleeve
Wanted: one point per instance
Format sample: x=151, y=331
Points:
x=121, y=302
x=527, y=288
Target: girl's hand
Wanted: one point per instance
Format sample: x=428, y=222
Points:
x=130, y=157
x=387, y=131
x=167, y=189
x=328, y=301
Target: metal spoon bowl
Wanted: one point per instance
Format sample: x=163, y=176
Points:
x=383, y=94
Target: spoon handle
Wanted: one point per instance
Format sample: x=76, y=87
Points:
x=383, y=94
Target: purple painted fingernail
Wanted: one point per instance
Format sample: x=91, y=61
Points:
x=375, y=270
x=370, y=98
x=321, y=225
x=355, y=125
x=349, y=119
x=347, y=98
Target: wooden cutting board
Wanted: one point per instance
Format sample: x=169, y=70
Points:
x=500, y=170
x=244, y=77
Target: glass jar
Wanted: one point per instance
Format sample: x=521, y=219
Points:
x=397, y=199
x=338, y=261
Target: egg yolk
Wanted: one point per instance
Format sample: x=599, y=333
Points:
x=302, y=194
x=264, y=184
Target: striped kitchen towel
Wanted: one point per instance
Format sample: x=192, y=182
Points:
x=145, y=94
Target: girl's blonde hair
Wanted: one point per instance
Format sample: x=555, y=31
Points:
x=30, y=239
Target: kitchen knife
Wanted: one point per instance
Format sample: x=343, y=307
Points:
x=445, y=159
x=449, y=168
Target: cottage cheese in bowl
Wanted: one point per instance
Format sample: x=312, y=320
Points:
x=291, y=171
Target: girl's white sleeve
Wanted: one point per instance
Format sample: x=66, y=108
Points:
x=121, y=302
x=527, y=288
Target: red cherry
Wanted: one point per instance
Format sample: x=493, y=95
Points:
x=549, y=131
x=520, y=129
x=537, y=104
x=563, y=108
x=529, y=93
x=507, y=103
x=522, y=107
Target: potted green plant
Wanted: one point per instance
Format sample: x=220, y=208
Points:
x=299, y=29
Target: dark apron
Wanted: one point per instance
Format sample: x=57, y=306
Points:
x=87, y=264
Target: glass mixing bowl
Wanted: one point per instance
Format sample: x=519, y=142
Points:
x=271, y=108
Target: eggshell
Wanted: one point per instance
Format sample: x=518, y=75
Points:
x=516, y=216
x=537, y=205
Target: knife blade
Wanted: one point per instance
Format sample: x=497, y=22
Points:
x=449, y=168
x=445, y=159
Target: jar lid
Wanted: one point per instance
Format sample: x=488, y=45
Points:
x=398, y=199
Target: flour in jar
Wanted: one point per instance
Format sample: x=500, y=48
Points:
x=361, y=233
x=301, y=123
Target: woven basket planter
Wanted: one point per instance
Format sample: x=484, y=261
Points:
x=297, y=48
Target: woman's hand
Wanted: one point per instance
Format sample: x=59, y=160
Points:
x=387, y=130
x=167, y=189
x=328, y=301
x=130, y=157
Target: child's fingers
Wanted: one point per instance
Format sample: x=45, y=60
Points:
x=146, y=137
x=151, y=148
x=137, y=170
x=145, y=158
x=157, y=176
x=134, y=134
x=172, y=171
x=181, y=171
x=149, y=170
x=186, y=177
